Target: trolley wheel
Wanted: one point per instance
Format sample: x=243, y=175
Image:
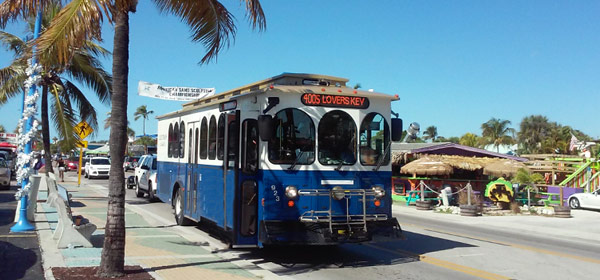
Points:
x=179, y=217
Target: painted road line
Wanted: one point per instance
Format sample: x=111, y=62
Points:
x=514, y=245
x=17, y=235
x=445, y=264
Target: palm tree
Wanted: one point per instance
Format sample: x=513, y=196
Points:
x=2, y=130
x=533, y=130
x=84, y=67
x=469, y=139
x=142, y=112
x=496, y=132
x=212, y=25
x=430, y=133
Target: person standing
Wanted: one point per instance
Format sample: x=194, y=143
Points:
x=61, y=169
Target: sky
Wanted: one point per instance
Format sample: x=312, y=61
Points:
x=454, y=64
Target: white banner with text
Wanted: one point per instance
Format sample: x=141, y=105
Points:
x=173, y=93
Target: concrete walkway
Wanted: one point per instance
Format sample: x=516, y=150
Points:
x=584, y=226
x=162, y=250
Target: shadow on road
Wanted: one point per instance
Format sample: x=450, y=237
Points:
x=303, y=259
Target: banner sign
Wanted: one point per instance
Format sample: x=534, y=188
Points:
x=173, y=93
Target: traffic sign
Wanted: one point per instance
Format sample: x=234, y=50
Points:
x=83, y=129
x=82, y=144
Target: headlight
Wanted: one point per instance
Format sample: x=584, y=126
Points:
x=379, y=191
x=338, y=193
x=291, y=192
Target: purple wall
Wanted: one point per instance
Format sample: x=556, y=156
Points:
x=566, y=192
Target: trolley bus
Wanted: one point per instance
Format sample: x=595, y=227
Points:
x=296, y=159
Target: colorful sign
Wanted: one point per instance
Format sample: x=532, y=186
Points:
x=331, y=100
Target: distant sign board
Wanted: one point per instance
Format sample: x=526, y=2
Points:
x=332, y=100
x=173, y=93
x=8, y=137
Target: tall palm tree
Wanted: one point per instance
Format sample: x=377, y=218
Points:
x=469, y=139
x=533, y=131
x=211, y=24
x=130, y=132
x=496, y=132
x=142, y=112
x=2, y=130
x=430, y=133
x=69, y=103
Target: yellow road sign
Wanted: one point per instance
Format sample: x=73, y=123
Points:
x=83, y=129
x=82, y=144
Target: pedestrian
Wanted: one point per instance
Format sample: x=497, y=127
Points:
x=61, y=168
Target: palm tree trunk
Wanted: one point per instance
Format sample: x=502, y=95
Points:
x=113, y=252
x=144, y=126
x=46, y=130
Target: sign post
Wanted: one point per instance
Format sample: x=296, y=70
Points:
x=82, y=129
x=81, y=145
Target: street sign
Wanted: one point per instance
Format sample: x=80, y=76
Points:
x=83, y=129
x=82, y=144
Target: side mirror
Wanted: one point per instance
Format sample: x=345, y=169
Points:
x=265, y=127
x=396, y=129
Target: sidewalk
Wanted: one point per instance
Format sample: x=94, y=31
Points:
x=161, y=250
x=582, y=227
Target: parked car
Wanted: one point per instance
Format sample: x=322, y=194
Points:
x=72, y=163
x=9, y=157
x=5, y=174
x=130, y=163
x=97, y=167
x=145, y=177
x=585, y=200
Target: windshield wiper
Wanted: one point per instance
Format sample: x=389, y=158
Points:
x=296, y=160
x=339, y=167
x=382, y=157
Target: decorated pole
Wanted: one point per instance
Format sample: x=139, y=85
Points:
x=27, y=127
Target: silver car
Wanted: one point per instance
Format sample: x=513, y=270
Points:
x=5, y=174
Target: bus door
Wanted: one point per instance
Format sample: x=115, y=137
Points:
x=230, y=169
x=247, y=192
x=192, y=173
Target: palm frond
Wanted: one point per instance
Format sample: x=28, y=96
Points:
x=64, y=119
x=11, y=10
x=85, y=108
x=78, y=22
x=88, y=70
x=210, y=22
x=255, y=14
x=12, y=79
x=13, y=43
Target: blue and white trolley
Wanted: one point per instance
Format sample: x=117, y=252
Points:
x=293, y=159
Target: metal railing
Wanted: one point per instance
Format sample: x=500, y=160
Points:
x=347, y=219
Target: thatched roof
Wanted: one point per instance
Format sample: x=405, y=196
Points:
x=445, y=165
x=503, y=168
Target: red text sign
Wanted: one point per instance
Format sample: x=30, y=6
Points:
x=330, y=100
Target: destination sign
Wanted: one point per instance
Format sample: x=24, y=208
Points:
x=330, y=100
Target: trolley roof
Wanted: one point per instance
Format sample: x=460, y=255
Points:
x=285, y=82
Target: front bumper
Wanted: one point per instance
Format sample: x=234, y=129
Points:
x=319, y=233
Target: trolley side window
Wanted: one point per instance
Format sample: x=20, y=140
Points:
x=294, y=141
x=170, y=142
x=337, y=139
x=250, y=146
x=221, y=136
x=374, y=138
x=181, y=140
x=203, y=139
x=175, y=152
x=212, y=138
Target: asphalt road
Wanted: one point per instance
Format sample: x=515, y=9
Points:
x=434, y=249
x=19, y=251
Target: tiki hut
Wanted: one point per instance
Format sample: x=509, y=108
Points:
x=503, y=168
x=427, y=166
